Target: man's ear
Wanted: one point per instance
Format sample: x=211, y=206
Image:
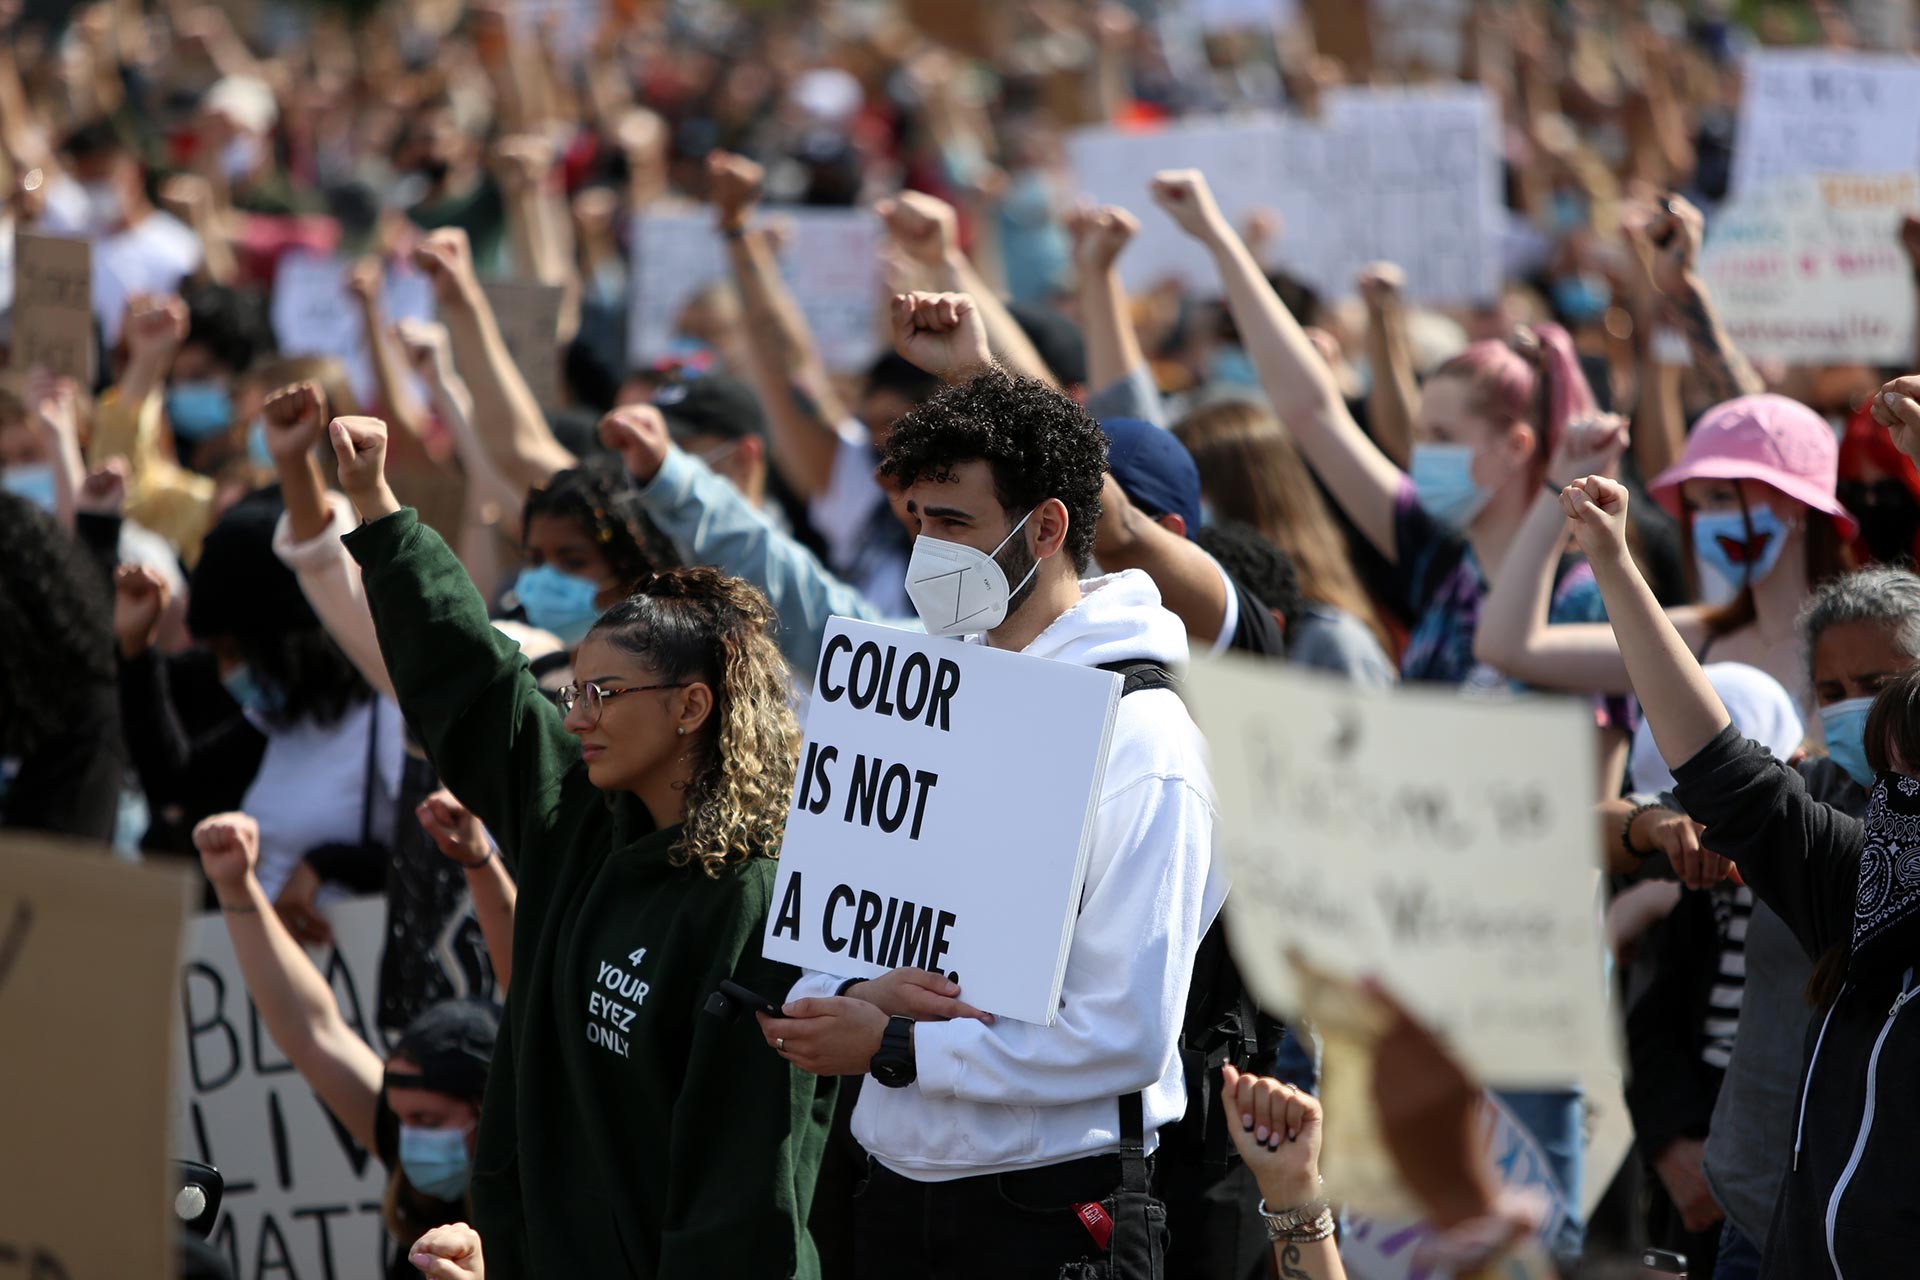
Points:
x=1047, y=530
x=1173, y=523
x=753, y=450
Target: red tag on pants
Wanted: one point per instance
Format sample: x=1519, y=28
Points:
x=1093, y=1216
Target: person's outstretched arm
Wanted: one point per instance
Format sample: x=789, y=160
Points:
x=1113, y=348
x=1394, y=399
x=293, y=999
x=1297, y=381
x=1276, y=1128
x=784, y=364
x=1675, y=236
x=459, y=835
x=1189, y=581
x=492, y=735
x=366, y=281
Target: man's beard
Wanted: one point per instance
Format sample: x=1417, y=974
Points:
x=1016, y=561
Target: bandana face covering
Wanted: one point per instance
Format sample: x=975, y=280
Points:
x=1886, y=909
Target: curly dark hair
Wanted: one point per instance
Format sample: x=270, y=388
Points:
x=315, y=678
x=1039, y=444
x=599, y=495
x=1256, y=563
x=700, y=624
x=56, y=627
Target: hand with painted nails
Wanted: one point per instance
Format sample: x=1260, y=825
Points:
x=1276, y=1129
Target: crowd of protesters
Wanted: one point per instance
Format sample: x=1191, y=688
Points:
x=405, y=621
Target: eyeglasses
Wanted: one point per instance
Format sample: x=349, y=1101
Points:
x=592, y=697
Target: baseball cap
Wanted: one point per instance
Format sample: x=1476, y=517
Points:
x=713, y=405
x=1154, y=470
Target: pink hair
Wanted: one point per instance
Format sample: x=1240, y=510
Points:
x=1504, y=383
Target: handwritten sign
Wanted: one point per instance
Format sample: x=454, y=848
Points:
x=1409, y=176
x=529, y=320
x=1810, y=269
x=86, y=945
x=301, y=1198
x=830, y=263
x=1445, y=846
x=314, y=315
x=925, y=832
x=53, y=306
x=1806, y=111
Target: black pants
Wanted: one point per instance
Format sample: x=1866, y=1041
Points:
x=1009, y=1226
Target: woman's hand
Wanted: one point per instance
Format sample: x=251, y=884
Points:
x=1276, y=1128
x=447, y=259
x=429, y=349
x=1187, y=199
x=1589, y=447
x=1678, y=837
x=360, y=445
x=299, y=907
x=104, y=491
x=457, y=833
x=293, y=418
x=1099, y=233
x=229, y=845
x=1597, y=508
x=139, y=602
x=733, y=186
x=925, y=227
x=920, y=994
x=451, y=1252
x=1897, y=408
x=638, y=434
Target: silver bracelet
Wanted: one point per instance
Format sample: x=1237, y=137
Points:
x=1319, y=1228
x=1282, y=1225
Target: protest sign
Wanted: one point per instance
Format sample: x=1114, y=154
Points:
x=87, y=945
x=315, y=315
x=53, y=306
x=929, y=829
x=1219, y=16
x=1436, y=843
x=1825, y=111
x=1411, y=176
x=529, y=320
x=830, y=263
x=1810, y=269
x=301, y=1198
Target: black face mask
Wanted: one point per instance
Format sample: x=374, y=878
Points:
x=1889, y=517
x=434, y=170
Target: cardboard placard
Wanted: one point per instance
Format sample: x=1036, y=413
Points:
x=927, y=831
x=529, y=320
x=53, y=307
x=1810, y=269
x=88, y=945
x=1825, y=111
x=1444, y=845
x=315, y=315
x=301, y=1198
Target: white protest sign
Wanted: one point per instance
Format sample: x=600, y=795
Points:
x=1407, y=175
x=1810, y=269
x=1825, y=111
x=1245, y=15
x=1445, y=846
x=830, y=262
x=315, y=315
x=301, y=1199
x=1380, y=1249
x=931, y=829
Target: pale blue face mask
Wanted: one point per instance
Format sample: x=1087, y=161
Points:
x=1582, y=298
x=262, y=697
x=32, y=481
x=435, y=1160
x=198, y=410
x=1232, y=367
x=1442, y=475
x=1845, y=725
x=557, y=602
x=257, y=451
x=1738, y=548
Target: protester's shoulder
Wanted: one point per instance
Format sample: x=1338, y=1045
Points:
x=1330, y=639
x=1576, y=593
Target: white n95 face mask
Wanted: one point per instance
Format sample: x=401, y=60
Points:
x=957, y=589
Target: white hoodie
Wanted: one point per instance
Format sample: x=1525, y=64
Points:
x=1015, y=1095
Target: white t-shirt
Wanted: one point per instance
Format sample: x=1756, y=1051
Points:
x=311, y=782
x=153, y=256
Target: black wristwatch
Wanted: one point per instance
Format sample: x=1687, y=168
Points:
x=893, y=1065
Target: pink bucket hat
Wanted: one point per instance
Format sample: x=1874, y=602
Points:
x=1777, y=441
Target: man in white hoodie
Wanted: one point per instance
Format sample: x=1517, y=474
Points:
x=997, y=1145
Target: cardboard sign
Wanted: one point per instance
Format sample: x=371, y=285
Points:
x=86, y=947
x=1443, y=845
x=53, y=306
x=1818, y=111
x=1810, y=269
x=831, y=264
x=928, y=829
x=314, y=315
x=529, y=320
x=301, y=1198
x=1408, y=176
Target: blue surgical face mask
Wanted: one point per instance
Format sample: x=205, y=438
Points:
x=435, y=1160
x=32, y=481
x=1845, y=724
x=1583, y=298
x=1232, y=367
x=1443, y=478
x=262, y=697
x=1738, y=549
x=557, y=602
x=257, y=452
x=199, y=410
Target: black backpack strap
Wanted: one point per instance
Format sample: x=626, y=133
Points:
x=1139, y=674
x=1133, y=1142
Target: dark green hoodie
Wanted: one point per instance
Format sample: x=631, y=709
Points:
x=626, y=1131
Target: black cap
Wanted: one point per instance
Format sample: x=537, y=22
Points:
x=710, y=405
x=239, y=587
x=453, y=1044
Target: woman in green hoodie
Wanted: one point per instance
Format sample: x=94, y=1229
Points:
x=625, y=1131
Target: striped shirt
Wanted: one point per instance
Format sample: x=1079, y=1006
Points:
x=1732, y=908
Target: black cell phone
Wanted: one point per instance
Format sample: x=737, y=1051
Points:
x=1663, y=237
x=1663, y=1262
x=196, y=1199
x=732, y=1000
